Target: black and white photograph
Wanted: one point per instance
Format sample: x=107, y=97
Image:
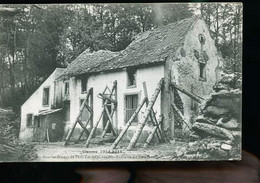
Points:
x=121, y=82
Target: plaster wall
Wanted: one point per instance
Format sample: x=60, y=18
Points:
x=151, y=75
x=34, y=104
x=186, y=70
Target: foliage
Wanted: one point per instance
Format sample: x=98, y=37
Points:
x=10, y=147
x=43, y=37
x=225, y=23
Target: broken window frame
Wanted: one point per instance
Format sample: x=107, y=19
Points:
x=128, y=112
x=46, y=96
x=131, y=77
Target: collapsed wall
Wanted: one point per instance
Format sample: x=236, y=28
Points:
x=219, y=118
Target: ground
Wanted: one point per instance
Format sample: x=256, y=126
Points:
x=77, y=152
x=207, y=149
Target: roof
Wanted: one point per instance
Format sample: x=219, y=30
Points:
x=148, y=48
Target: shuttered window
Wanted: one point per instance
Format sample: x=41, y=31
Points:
x=131, y=103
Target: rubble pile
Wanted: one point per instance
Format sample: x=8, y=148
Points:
x=220, y=116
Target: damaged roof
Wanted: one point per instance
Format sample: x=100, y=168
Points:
x=147, y=48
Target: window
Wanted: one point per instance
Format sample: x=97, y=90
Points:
x=45, y=99
x=29, y=120
x=131, y=103
x=67, y=88
x=84, y=83
x=202, y=39
x=131, y=77
x=202, y=71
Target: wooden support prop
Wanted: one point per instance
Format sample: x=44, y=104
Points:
x=85, y=126
x=152, y=114
x=100, y=117
x=191, y=95
x=156, y=124
x=107, y=124
x=180, y=114
x=89, y=108
x=103, y=96
x=47, y=134
x=145, y=116
x=94, y=129
x=128, y=124
x=110, y=120
x=78, y=116
x=150, y=137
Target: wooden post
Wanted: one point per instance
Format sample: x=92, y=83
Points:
x=91, y=115
x=107, y=98
x=150, y=137
x=196, y=98
x=83, y=127
x=47, y=135
x=100, y=117
x=145, y=117
x=180, y=114
x=128, y=124
x=110, y=120
x=157, y=125
x=94, y=129
x=107, y=124
x=152, y=115
x=78, y=116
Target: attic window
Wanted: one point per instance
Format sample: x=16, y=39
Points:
x=46, y=96
x=131, y=77
x=202, y=39
x=202, y=71
x=84, y=84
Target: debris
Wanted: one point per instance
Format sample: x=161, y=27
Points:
x=220, y=114
x=226, y=146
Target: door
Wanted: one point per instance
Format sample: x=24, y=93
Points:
x=39, y=129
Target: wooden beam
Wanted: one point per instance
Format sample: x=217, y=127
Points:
x=101, y=115
x=152, y=115
x=110, y=120
x=78, y=116
x=103, y=96
x=193, y=96
x=107, y=124
x=94, y=129
x=128, y=124
x=150, y=137
x=145, y=116
x=89, y=119
x=156, y=124
x=180, y=114
x=83, y=127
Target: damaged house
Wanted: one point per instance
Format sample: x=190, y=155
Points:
x=101, y=93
